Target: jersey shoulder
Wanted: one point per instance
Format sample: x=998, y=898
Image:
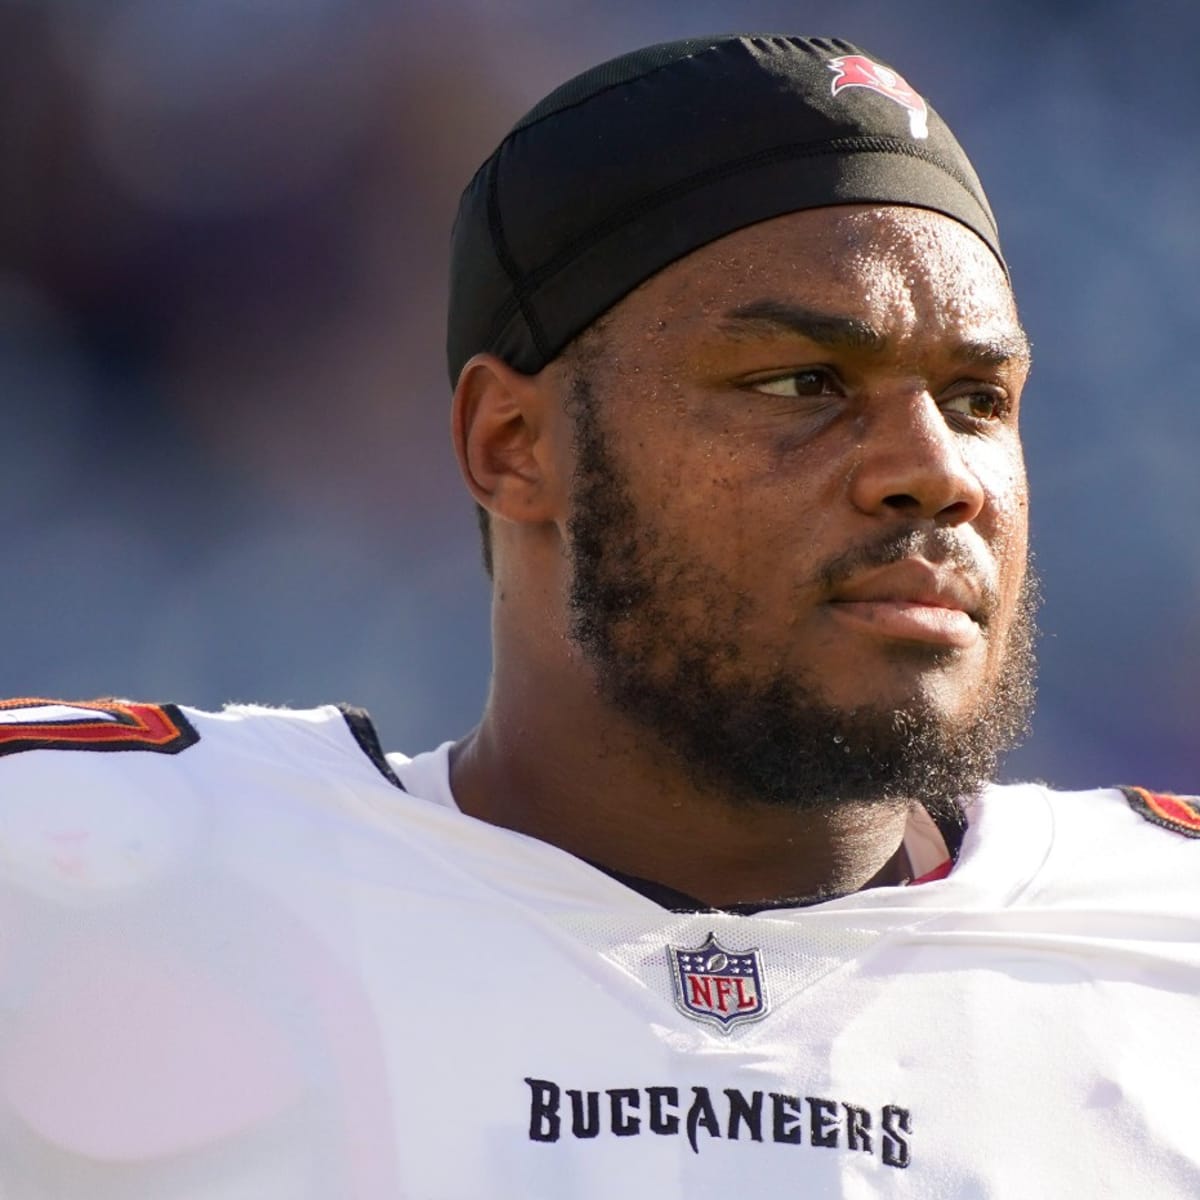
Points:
x=127, y=744
x=1124, y=847
x=104, y=725
x=1139, y=813
x=102, y=795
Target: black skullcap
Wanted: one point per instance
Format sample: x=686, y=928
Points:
x=641, y=160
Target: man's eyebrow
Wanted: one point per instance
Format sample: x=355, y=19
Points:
x=826, y=329
x=997, y=352
x=853, y=333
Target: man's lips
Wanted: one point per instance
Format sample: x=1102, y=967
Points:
x=911, y=600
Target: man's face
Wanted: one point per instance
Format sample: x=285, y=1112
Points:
x=798, y=534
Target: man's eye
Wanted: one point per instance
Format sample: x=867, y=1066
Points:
x=979, y=406
x=815, y=381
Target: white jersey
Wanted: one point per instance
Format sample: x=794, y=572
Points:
x=243, y=955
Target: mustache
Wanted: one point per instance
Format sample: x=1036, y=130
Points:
x=940, y=547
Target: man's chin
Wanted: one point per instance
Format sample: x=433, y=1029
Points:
x=945, y=693
x=875, y=753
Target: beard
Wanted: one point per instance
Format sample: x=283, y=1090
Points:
x=758, y=737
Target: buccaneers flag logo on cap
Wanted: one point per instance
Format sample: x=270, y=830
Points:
x=853, y=70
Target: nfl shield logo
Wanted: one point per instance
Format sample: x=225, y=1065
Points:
x=720, y=986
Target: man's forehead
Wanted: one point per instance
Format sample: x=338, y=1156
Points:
x=876, y=267
x=852, y=248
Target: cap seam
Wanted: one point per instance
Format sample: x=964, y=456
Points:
x=524, y=286
x=509, y=264
x=521, y=127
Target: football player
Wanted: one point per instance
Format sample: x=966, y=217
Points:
x=717, y=898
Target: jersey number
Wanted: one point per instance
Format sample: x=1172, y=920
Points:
x=1180, y=813
x=93, y=725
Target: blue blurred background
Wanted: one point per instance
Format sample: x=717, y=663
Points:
x=224, y=465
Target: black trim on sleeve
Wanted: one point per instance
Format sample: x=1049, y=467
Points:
x=364, y=733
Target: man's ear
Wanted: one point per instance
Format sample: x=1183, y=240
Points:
x=499, y=424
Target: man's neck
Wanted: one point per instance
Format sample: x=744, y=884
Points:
x=591, y=784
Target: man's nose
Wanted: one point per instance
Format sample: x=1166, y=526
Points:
x=911, y=464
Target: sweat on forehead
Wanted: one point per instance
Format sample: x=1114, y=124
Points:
x=879, y=280
x=862, y=248
x=641, y=160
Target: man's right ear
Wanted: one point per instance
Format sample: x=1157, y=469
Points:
x=499, y=426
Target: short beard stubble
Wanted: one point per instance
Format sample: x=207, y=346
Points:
x=757, y=738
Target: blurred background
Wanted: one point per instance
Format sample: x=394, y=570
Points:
x=224, y=464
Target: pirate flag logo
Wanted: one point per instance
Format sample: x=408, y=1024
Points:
x=853, y=70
